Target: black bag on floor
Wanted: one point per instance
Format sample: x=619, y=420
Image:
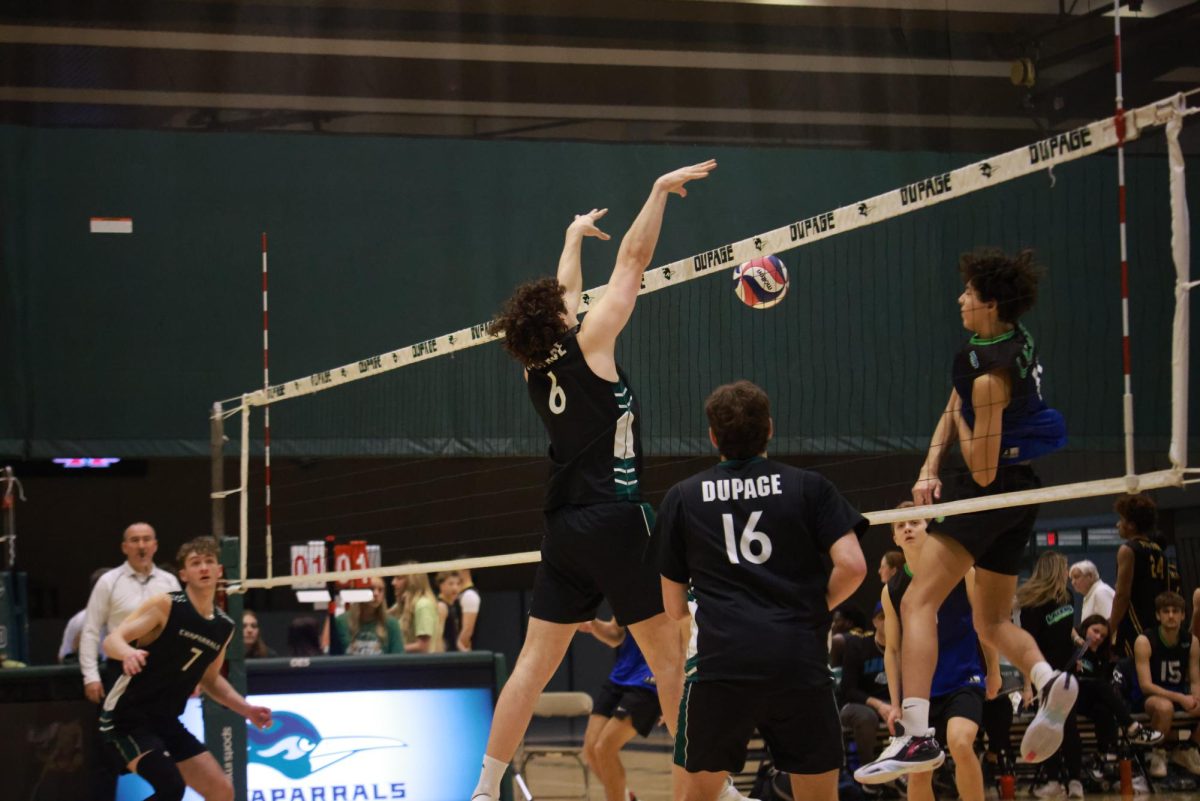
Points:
x=775, y=785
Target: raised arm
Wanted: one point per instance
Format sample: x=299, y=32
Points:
x=570, y=268
x=147, y=619
x=928, y=488
x=603, y=324
x=849, y=569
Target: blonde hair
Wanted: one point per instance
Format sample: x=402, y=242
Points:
x=1048, y=582
x=359, y=615
x=416, y=588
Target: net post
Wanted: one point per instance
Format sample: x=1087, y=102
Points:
x=1181, y=255
x=225, y=730
x=216, y=454
x=244, y=494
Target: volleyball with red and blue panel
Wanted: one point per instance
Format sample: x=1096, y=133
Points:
x=761, y=283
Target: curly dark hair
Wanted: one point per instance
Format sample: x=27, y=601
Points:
x=531, y=320
x=1010, y=281
x=1139, y=509
x=740, y=417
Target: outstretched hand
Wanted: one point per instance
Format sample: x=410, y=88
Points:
x=585, y=224
x=673, y=182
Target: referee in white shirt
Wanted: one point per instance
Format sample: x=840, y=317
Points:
x=116, y=595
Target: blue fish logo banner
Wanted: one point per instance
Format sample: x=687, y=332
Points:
x=293, y=746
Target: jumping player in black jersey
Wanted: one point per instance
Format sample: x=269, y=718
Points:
x=171, y=644
x=753, y=537
x=997, y=414
x=596, y=526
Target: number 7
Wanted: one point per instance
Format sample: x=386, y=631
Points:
x=195, y=655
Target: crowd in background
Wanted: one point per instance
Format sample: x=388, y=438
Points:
x=1128, y=643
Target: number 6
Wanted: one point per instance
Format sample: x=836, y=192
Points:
x=558, y=398
x=749, y=535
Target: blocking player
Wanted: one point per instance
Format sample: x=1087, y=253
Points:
x=751, y=535
x=596, y=525
x=169, y=645
x=997, y=415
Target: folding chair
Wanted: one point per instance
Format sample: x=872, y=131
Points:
x=555, y=705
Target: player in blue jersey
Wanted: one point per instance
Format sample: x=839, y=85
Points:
x=596, y=526
x=997, y=415
x=624, y=706
x=965, y=674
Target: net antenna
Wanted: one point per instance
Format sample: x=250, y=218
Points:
x=1059, y=149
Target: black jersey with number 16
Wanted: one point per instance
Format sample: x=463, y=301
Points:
x=175, y=663
x=595, y=443
x=752, y=538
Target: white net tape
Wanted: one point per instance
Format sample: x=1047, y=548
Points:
x=1045, y=154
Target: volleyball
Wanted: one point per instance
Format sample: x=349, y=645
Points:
x=761, y=283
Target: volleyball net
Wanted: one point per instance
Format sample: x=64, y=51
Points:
x=432, y=450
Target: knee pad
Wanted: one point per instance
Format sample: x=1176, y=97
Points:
x=160, y=771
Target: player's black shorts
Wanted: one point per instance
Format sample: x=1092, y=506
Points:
x=638, y=705
x=800, y=725
x=594, y=552
x=996, y=537
x=965, y=702
x=165, y=734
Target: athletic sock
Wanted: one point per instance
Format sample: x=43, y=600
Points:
x=914, y=716
x=489, y=778
x=1040, y=674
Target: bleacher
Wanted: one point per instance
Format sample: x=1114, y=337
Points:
x=1026, y=774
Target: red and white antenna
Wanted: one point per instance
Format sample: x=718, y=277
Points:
x=267, y=408
x=1119, y=120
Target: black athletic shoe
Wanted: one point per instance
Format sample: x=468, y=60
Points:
x=906, y=754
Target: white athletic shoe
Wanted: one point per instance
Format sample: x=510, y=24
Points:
x=1044, y=735
x=1187, y=758
x=1157, y=764
x=1051, y=789
x=730, y=793
x=905, y=754
x=1074, y=789
x=1140, y=786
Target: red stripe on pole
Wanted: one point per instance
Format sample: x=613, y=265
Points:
x=1120, y=125
x=1121, y=203
x=1125, y=354
x=264, y=241
x=1125, y=280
